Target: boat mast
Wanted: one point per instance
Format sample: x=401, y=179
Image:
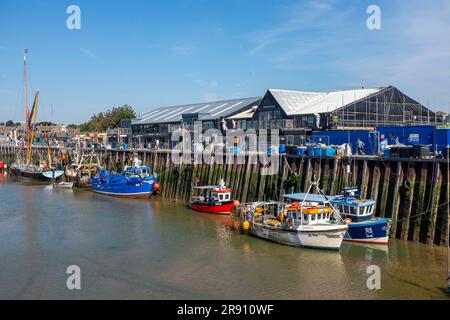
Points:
x=49, y=152
x=25, y=93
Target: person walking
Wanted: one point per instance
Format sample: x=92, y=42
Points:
x=360, y=147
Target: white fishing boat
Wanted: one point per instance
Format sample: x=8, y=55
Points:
x=308, y=224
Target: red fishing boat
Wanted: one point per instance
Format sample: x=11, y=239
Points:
x=212, y=199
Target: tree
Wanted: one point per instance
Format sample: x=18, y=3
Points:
x=108, y=120
x=124, y=112
x=10, y=123
x=46, y=123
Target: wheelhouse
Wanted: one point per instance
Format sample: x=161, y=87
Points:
x=352, y=206
x=211, y=194
x=221, y=195
x=308, y=213
x=366, y=208
x=138, y=171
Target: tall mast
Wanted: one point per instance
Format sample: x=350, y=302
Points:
x=25, y=93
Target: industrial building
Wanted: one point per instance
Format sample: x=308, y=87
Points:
x=302, y=117
x=296, y=113
x=159, y=123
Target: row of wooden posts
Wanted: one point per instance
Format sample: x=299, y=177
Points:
x=413, y=192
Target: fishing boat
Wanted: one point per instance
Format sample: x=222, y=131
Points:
x=358, y=213
x=23, y=167
x=310, y=223
x=212, y=199
x=83, y=169
x=135, y=182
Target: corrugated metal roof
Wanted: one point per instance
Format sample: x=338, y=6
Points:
x=298, y=102
x=207, y=111
x=246, y=114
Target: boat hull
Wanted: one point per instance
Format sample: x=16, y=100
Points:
x=53, y=174
x=34, y=175
x=143, y=190
x=137, y=195
x=327, y=239
x=223, y=209
x=375, y=231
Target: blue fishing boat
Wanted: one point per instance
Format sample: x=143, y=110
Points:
x=362, y=225
x=359, y=213
x=134, y=182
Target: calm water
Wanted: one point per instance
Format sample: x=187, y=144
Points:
x=138, y=249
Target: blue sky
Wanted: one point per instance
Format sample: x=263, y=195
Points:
x=157, y=53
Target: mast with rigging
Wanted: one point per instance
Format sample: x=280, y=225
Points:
x=25, y=93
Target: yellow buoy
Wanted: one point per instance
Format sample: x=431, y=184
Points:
x=245, y=225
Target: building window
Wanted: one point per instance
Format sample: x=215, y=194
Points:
x=208, y=125
x=289, y=140
x=269, y=115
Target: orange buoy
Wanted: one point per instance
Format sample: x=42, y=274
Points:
x=156, y=187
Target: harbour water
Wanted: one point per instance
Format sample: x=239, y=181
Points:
x=159, y=249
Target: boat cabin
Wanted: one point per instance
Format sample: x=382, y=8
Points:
x=138, y=171
x=221, y=195
x=356, y=210
x=307, y=213
x=211, y=194
x=351, y=206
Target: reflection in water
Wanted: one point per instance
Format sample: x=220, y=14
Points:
x=162, y=250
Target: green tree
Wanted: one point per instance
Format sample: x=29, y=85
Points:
x=10, y=123
x=108, y=120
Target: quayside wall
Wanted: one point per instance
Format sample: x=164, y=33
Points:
x=413, y=192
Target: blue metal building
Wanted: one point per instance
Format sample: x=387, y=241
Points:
x=441, y=139
x=408, y=135
x=437, y=138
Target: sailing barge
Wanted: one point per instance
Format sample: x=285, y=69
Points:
x=24, y=168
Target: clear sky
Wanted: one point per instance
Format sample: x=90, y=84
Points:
x=158, y=53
